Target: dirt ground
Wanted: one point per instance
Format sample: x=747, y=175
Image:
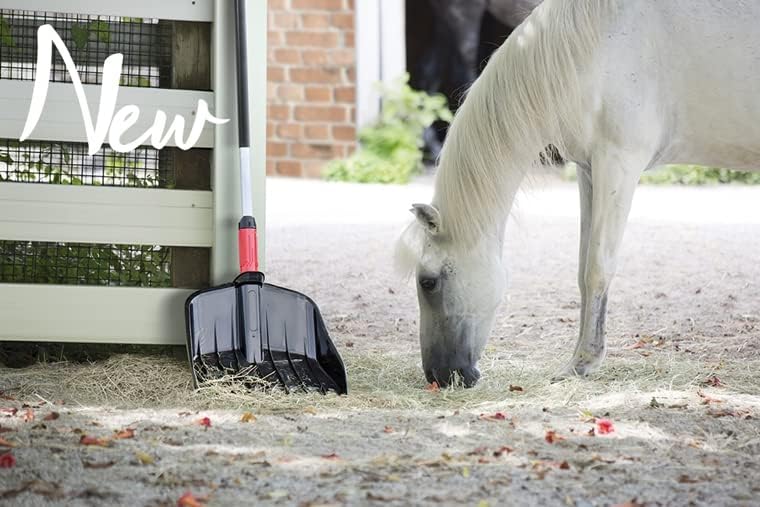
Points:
x=681, y=385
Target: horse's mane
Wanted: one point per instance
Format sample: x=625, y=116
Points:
x=528, y=97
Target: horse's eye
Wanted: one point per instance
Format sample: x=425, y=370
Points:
x=428, y=284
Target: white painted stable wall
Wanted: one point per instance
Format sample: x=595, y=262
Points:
x=380, y=52
x=118, y=215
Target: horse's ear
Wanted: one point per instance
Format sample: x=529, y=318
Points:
x=428, y=216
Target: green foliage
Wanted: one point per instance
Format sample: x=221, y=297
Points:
x=38, y=165
x=687, y=175
x=6, y=39
x=102, y=31
x=80, y=34
x=66, y=263
x=697, y=175
x=28, y=262
x=140, y=81
x=391, y=148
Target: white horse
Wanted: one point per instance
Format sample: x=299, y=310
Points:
x=619, y=86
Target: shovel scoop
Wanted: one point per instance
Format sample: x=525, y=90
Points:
x=249, y=329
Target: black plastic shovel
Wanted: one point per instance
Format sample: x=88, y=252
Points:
x=249, y=328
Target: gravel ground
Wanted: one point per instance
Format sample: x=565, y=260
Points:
x=681, y=386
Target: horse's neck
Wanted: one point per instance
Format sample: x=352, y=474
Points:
x=475, y=206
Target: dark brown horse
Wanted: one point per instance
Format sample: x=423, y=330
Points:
x=450, y=40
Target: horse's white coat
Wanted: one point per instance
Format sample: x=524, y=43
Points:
x=619, y=87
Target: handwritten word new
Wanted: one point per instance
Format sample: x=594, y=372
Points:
x=108, y=124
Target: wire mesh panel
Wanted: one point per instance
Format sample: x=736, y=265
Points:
x=145, y=44
x=85, y=264
x=69, y=164
x=157, y=54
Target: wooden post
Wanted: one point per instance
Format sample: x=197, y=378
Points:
x=191, y=70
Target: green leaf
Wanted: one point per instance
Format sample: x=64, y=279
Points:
x=81, y=36
x=102, y=30
x=6, y=159
x=6, y=38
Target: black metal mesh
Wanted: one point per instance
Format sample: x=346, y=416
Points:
x=85, y=264
x=145, y=44
x=69, y=164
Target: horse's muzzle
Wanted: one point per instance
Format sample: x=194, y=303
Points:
x=444, y=376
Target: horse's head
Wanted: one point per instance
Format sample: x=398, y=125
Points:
x=459, y=288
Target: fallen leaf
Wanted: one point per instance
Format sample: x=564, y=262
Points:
x=6, y=396
x=100, y=442
x=7, y=460
x=515, y=389
x=685, y=479
x=184, y=414
x=388, y=429
x=277, y=494
x=310, y=410
x=591, y=432
x=604, y=426
x=52, y=416
x=188, y=500
x=740, y=413
x=564, y=465
x=433, y=387
x=28, y=415
x=707, y=400
x=5, y=443
x=125, y=433
x=478, y=451
x=587, y=416
x=144, y=458
x=3, y=429
x=638, y=345
x=466, y=472
x=654, y=403
x=96, y=465
x=331, y=457
x=9, y=411
x=205, y=422
x=248, y=417
x=552, y=437
x=712, y=381
x=498, y=416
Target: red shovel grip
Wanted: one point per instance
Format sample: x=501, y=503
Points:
x=248, y=245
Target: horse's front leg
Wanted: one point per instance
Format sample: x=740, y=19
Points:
x=606, y=196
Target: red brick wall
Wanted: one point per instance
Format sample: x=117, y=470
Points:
x=312, y=85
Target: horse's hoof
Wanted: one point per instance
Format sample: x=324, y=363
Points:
x=574, y=370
